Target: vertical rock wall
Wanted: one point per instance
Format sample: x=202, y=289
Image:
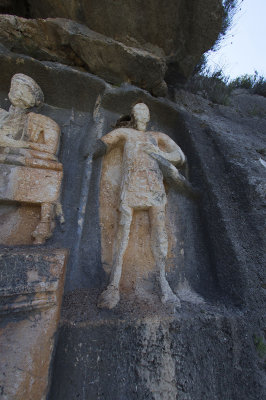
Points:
x=143, y=350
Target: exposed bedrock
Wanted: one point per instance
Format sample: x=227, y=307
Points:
x=71, y=43
x=144, y=43
x=213, y=347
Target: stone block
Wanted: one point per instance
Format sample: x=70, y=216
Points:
x=31, y=288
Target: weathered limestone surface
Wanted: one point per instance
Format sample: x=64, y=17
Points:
x=179, y=29
x=120, y=41
x=31, y=289
x=201, y=353
x=212, y=347
x=74, y=44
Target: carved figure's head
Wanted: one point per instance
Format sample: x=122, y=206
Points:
x=25, y=92
x=141, y=116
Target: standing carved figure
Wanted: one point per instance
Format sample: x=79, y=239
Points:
x=142, y=188
x=30, y=172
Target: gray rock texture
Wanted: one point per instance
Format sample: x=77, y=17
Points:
x=179, y=29
x=139, y=42
x=214, y=346
x=74, y=44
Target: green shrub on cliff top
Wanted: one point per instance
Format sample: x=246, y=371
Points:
x=255, y=83
x=216, y=87
x=212, y=85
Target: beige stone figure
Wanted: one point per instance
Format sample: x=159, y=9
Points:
x=142, y=188
x=29, y=142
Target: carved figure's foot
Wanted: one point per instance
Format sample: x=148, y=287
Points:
x=42, y=232
x=170, y=298
x=109, y=297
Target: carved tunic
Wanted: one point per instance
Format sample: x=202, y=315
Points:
x=142, y=180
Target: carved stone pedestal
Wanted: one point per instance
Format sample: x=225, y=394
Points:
x=143, y=350
x=31, y=288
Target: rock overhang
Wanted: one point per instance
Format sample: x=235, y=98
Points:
x=125, y=41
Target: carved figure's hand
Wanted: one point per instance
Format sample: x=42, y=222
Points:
x=150, y=148
x=98, y=150
x=174, y=178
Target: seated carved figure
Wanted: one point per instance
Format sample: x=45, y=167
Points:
x=28, y=146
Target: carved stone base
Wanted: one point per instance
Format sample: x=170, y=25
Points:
x=141, y=351
x=31, y=288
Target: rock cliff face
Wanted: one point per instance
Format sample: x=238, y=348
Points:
x=68, y=42
x=213, y=347
x=179, y=30
x=143, y=43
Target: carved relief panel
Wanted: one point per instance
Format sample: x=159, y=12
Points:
x=31, y=279
x=136, y=165
x=30, y=174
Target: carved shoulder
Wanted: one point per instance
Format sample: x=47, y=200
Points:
x=119, y=132
x=115, y=136
x=161, y=137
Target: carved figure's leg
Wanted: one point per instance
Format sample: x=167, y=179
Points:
x=159, y=244
x=110, y=297
x=43, y=229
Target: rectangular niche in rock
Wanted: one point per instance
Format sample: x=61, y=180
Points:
x=133, y=180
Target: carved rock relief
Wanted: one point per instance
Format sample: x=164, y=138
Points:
x=30, y=173
x=135, y=242
x=31, y=280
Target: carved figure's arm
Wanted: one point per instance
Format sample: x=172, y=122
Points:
x=6, y=141
x=112, y=138
x=174, y=178
x=9, y=142
x=172, y=152
x=43, y=132
x=99, y=149
x=107, y=143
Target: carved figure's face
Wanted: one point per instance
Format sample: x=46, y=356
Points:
x=21, y=96
x=141, y=116
x=24, y=92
